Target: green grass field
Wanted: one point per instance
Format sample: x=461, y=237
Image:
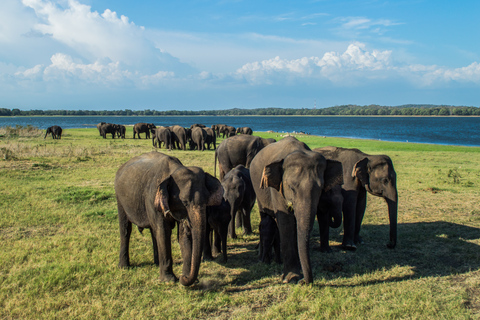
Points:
x=59, y=242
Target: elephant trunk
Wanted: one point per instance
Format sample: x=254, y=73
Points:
x=392, y=215
x=199, y=223
x=304, y=227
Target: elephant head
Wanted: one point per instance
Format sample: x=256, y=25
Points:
x=184, y=195
x=300, y=178
x=377, y=175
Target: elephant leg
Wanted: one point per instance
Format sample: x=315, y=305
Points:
x=231, y=225
x=323, y=226
x=125, y=232
x=360, y=212
x=207, y=249
x=349, y=209
x=246, y=223
x=163, y=235
x=155, y=248
x=289, y=247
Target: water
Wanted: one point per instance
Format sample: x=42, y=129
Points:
x=436, y=130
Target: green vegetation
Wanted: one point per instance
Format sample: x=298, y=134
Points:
x=59, y=237
x=344, y=110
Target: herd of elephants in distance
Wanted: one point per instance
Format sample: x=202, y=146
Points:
x=291, y=184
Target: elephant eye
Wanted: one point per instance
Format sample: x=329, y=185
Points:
x=385, y=181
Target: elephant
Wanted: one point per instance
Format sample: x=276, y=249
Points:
x=239, y=193
x=121, y=130
x=218, y=128
x=99, y=126
x=162, y=135
x=269, y=239
x=179, y=137
x=211, y=138
x=197, y=138
x=197, y=125
x=363, y=172
x=244, y=130
x=56, y=132
x=288, y=179
x=156, y=191
x=228, y=131
x=108, y=128
x=143, y=128
x=237, y=150
x=218, y=218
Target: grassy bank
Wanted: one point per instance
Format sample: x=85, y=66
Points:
x=59, y=235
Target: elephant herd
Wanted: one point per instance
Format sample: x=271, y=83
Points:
x=291, y=184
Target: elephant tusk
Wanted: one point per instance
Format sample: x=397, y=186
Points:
x=290, y=206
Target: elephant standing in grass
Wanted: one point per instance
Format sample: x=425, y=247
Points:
x=179, y=137
x=162, y=135
x=245, y=130
x=108, y=128
x=228, y=131
x=211, y=138
x=121, y=130
x=143, y=128
x=237, y=150
x=289, y=180
x=198, y=137
x=363, y=172
x=99, y=127
x=239, y=193
x=156, y=191
x=55, y=131
x=218, y=218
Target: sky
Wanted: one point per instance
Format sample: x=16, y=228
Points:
x=214, y=55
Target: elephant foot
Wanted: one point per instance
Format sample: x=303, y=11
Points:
x=123, y=265
x=349, y=246
x=326, y=249
x=168, y=278
x=207, y=257
x=291, y=277
x=391, y=245
x=359, y=240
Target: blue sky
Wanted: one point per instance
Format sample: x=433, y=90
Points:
x=205, y=55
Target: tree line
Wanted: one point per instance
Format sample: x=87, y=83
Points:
x=343, y=110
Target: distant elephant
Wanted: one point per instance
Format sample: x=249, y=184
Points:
x=162, y=135
x=228, y=131
x=245, y=130
x=56, y=132
x=211, y=138
x=155, y=191
x=108, y=128
x=363, y=172
x=289, y=179
x=218, y=218
x=143, y=128
x=197, y=125
x=121, y=130
x=197, y=139
x=218, y=128
x=269, y=239
x=98, y=127
x=239, y=193
x=179, y=137
x=238, y=150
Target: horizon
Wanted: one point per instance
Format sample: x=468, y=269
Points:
x=225, y=54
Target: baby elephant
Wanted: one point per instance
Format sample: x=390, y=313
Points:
x=56, y=132
x=239, y=193
x=269, y=238
x=218, y=218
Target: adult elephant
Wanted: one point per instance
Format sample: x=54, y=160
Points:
x=218, y=128
x=228, y=131
x=197, y=139
x=245, y=130
x=239, y=193
x=55, y=131
x=108, y=128
x=162, y=135
x=289, y=179
x=155, y=191
x=121, y=130
x=143, y=128
x=99, y=126
x=363, y=172
x=211, y=138
x=237, y=150
x=179, y=137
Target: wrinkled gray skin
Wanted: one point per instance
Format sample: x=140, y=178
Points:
x=197, y=138
x=362, y=173
x=55, y=131
x=245, y=130
x=211, y=138
x=162, y=135
x=143, y=128
x=179, y=137
x=237, y=150
x=289, y=179
x=269, y=239
x=218, y=218
x=239, y=193
x=155, y=191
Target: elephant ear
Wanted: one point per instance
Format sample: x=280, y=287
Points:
x=333, y=174
x=272, y=175
x=161, y=197
x=215, y=189
x=360, y=171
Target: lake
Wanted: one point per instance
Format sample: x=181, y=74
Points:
x=463, y=131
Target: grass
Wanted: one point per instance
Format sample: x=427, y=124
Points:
x=59, y=235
